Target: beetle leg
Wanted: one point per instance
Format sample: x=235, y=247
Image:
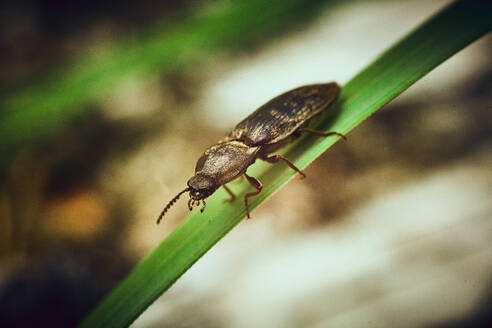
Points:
x=189, y=204
x=229, y=191
x=203, y=207
x=277, y=158
x=255, y=183
x=323, y=134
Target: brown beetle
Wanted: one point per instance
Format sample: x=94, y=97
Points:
x=264, y=131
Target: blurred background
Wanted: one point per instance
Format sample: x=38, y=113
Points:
x=105, y=108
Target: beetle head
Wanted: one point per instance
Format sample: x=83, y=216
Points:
x=201, y=186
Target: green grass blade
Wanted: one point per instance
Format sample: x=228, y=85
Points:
x=407, y=61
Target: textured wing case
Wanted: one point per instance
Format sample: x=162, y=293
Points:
x=281, y=116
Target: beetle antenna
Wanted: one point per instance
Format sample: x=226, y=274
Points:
x=168, y=206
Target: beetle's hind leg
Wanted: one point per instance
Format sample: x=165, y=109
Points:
x=323, y=134
x=255, y=183
x=276, y=158
x=229, y=191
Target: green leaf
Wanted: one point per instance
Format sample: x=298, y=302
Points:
x=415, y=55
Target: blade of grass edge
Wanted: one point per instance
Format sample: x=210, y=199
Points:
x=415, y=55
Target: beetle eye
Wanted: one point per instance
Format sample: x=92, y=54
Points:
x=199, y=193
x=195, y=192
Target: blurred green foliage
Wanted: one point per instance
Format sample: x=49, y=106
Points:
x=41, y=109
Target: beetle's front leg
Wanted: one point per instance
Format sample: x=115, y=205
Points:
x=255, y=183
x=277, y=158
x=229, y=191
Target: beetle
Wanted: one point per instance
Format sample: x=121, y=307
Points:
x=270, y=127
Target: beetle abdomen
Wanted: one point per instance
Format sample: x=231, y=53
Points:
x=281, y=116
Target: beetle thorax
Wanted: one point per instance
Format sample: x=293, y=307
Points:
x=225, y=161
